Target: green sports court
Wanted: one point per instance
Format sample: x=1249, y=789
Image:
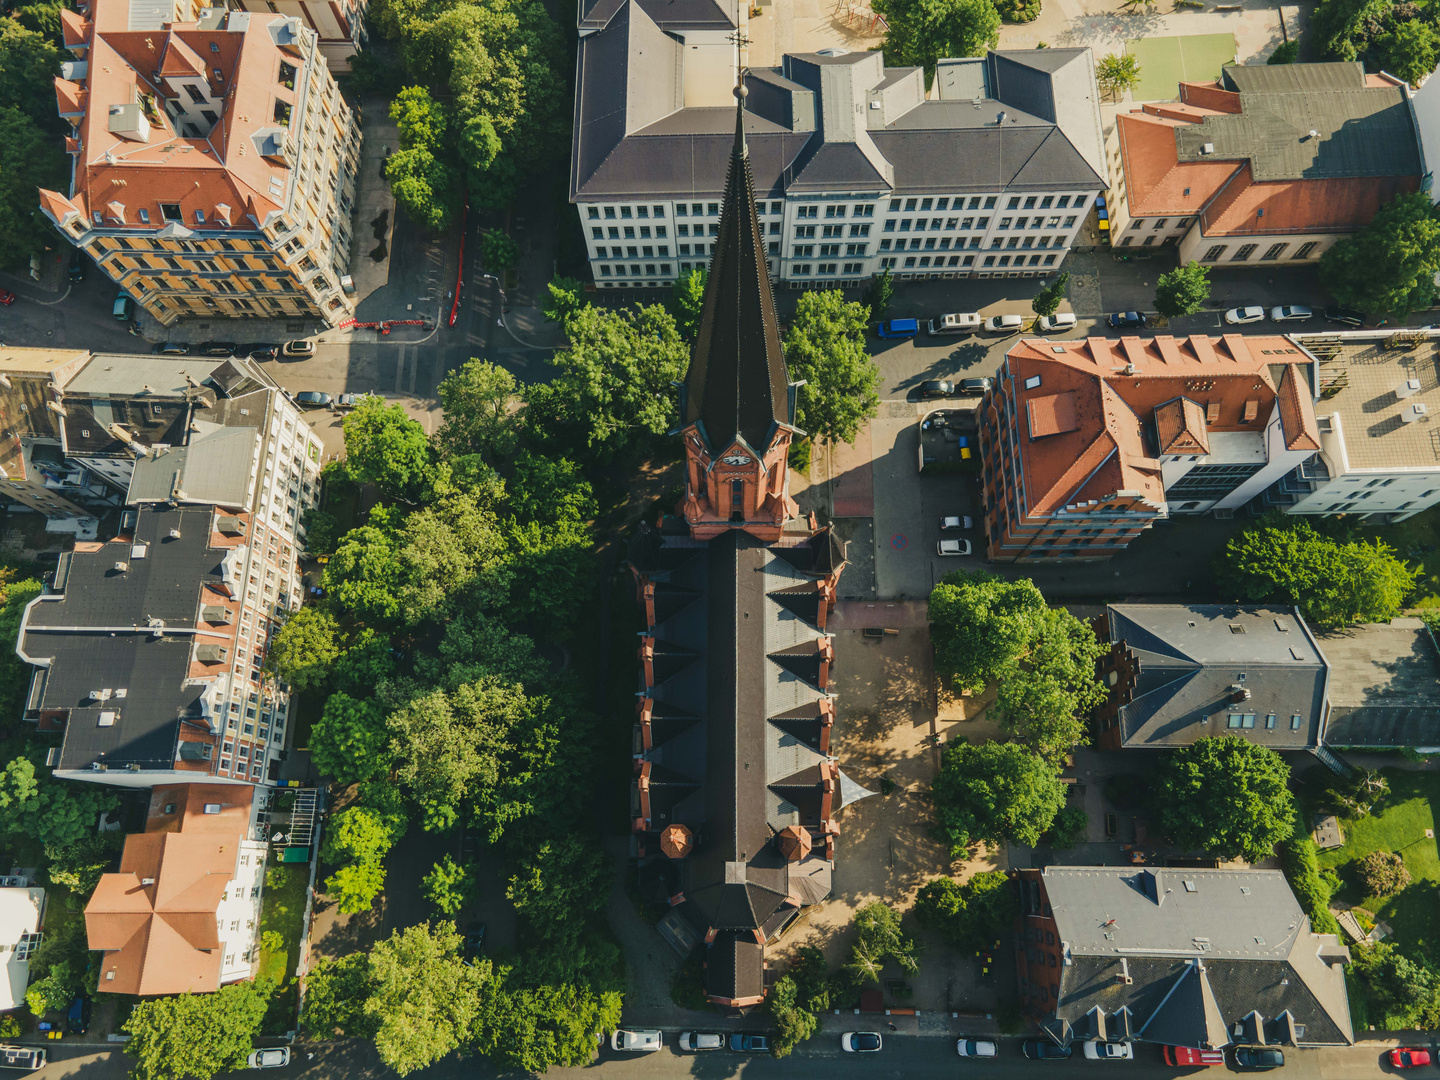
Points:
x=1167, y=61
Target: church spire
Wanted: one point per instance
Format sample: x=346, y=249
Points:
x=737, y=384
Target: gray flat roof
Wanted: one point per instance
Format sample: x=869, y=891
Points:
x=1360, y=380
x=122, y=374
x=1384, y=686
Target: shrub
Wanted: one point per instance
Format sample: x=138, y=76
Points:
x=1285, y=53
x=800, y=456
x=10, y=1026
x=1069, y=827
x=1020, y=11
x=1382, y=873
x=1297, y=855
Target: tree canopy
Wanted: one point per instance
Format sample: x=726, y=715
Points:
x=195, y=1035
x=924, y=31
x=981, y=624
x=55, y=812
x=1117, y=73
x=30, y=158
x=995, y=793
x=1182, y=291
x=1226, y=796
x=385, y=447
x=687, y=297
x=305, y=648
x=1390, y=265
x=478, y=420
x=1046, y=696
x=825, y=347
x=1333, y=582
x=1396, y=36
x=1047, y=300
x=971, y=916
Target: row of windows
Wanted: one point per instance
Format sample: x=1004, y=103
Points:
x=803, y=269
x=1247, y=720
x=923, y=262
x=827, y=232
x=835, y=210
x=1244, y=251
x=951, y=224
x=1031, y=202
x=807, y=251
x=996, y=243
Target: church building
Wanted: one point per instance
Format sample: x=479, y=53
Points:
x=735, y=793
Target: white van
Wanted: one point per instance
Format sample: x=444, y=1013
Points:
x=960, y=322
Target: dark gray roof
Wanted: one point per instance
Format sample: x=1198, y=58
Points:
x=1194, y=659
x=668, y=14
x=213, y=468
x=1360, y=130
x=97, y=637
x=1384, y=685
x=737, y=386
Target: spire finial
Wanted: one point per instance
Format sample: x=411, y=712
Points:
x=741, y=93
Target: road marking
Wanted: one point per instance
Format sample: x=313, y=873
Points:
x=52, y=303
x=899, y=541
x=399, y=368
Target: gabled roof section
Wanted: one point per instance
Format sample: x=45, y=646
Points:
x=1297, y=412
x=1180, y=428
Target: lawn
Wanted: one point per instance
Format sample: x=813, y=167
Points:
x=282, y=912
x=1399, y=826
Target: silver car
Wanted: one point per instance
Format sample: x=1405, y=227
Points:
x=1240, y=316
x=953, y=547
x=637, y=1042
x=1290, y=313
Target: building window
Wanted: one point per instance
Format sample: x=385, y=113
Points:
x=1126, y=242
x=1295, y=722
x=1212, y=481
x=1304, y=250
x=1213, y=255
x=1274, y=251
x=1160, y=223
x=1244, y=252
x=1241, y=720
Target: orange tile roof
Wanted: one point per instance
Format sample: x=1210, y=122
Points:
x=1294, y=206
x=75, y=27
x=1156, y=181
x=1297, y=413
x=155, y=919
x=1052, y=414
x=1210, y=95
x=69, y=98
x=1180, y=427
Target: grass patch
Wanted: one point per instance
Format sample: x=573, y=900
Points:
x=282, y=916
x=1399, y=825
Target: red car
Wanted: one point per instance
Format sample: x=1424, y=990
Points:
x=7, y=298
x=1409, y=1057
x=1186, y=1055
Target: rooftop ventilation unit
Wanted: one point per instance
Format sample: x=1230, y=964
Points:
x=1208, y=148
x=174, y=534
x=147, y=881
x=1408, y=388
x=122, y=567
x=1413, y=413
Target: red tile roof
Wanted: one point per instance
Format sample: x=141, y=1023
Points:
x=1298, y=206
x=1297, y=413
x=1180, y=427
x=1156, y=182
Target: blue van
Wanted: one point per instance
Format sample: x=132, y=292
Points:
x=899, y=328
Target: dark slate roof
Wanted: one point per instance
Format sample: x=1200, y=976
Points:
x=1190, y=658
x=1384, y=685
x=737, y=385
x=668, y=14
x=97, y=637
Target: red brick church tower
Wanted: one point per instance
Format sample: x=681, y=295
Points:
x=738, y=405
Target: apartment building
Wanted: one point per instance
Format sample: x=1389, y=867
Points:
x=1379, y=401
x=1266, y=165
x=213, y=162
x=856, y=170
x=339, y=24
x=1085, y=444
x=147, y=648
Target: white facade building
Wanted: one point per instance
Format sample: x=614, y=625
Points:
x=22, y=913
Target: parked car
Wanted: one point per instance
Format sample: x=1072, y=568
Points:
x=1240, y=316
x=347, y=401
x=1122, y=319
x=298, y=348
x=1057, y=323
x=1258, y=1058
x=77, y=266
x=1188, y=1055
x=6, y=297
x=701, y=1040
x=637, y=1042
x=955, y=522
x=216, y=348
x=276, y=1057
x=77, y=1020
x=1096, y=1050
x=28, y=1058
x=898, y=328
x=124, y=308
x=311, y=399
x=263, y=350
x=172, y=348
x=960, y=322
x=1290, y=313
x=1003, y=325
x=750, y=1042
x=474, y=941
x=1410, y=1057
x=953, y=547
x=975, y=387
x=932, y=388
x=1345, y=316
x=860, y=1042
x=976, y=1048
x=1045, y=1050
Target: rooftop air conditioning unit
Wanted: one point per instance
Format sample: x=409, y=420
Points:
x=122, y=566
x=147, y=881
x=174, y=534
x=1208, y=148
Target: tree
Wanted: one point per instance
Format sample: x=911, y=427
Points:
x=530, y=1029
x=322, y=531
x=30, y=158
x=355, y=886
x=687, y=297
x=1390, y=265
x=1047, y=300
x=1182, y=291
x=793, y=1024
x=560, y=884
x=1226, y=796
x=1408, y=50
x=981, y=624
x=476, y=401
x=1382, y=873
x=449, y=884
x=361, y=835
x=566, y=297
x=1046, y=696
x=498, y=250
x=196, y=1035
x=1117, y=74
x=335, y=994
x=305, y=648
x=971, y=916
x=923, y=31
x=351, y=742
x=1334, y=583
x=995, y=793
x=34, y=804
x=1287, y=52
x=77, y=866
x=826, y=347
x=1407, y=991
x=880, y=938
x=28, y=59
x=878, y=294
x=1069, y=827
x=384, y=447
x=421, y=173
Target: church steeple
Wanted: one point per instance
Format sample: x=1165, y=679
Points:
x=737, y=384
x=737, y=394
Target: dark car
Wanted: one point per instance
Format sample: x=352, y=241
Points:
x=474, y=940
x=172, y=348
x=1258, y=1059
x=1043, y=1050
x=1121, y=319
x=974, y=387
x=750, y=1042
x=312, y=399
x=77, y=266
x=77, y=1020
x=216, y=348
x=1345, y=316
x=936, y=388
x=263, y=350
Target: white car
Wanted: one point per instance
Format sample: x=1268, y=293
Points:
x=298, y=348
x=959, y=322
x=977, y=1048
x=636, y=1042
x=953, y=547
x=948, y=523
x=1290, y=313
x=1096, y=1050
x=1004, y=324
x=701, y=1040
x=1057, y=323
x=860, y=1042
x=274, y=1058
x=1239, y=316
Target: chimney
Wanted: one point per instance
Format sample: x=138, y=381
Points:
x=1123, y=976
x=1413, y=413
x=1408, y=388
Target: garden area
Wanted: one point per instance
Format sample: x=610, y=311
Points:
x=282, y=923
x=1417, y=541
